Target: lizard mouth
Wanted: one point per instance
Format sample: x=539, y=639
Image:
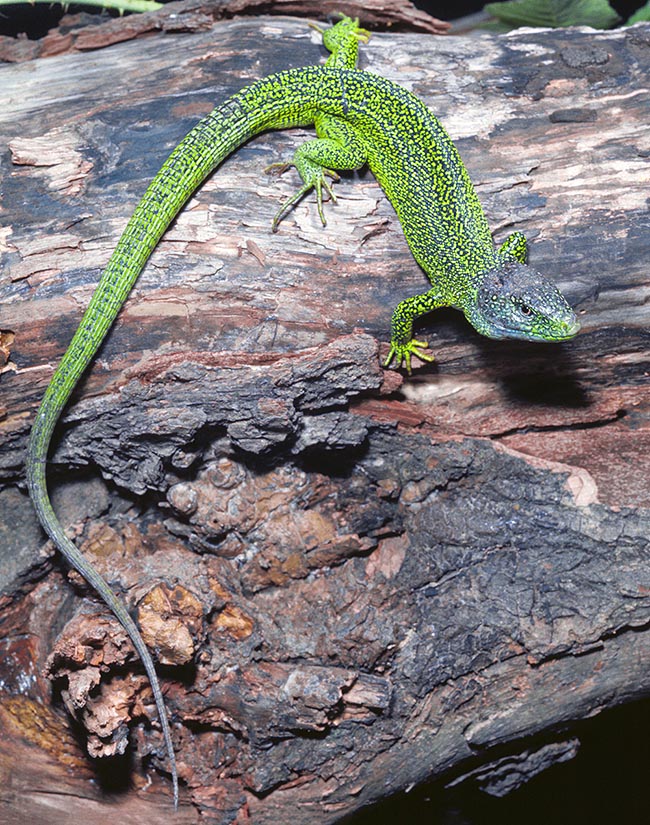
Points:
x=563, y=332
x=570, y=330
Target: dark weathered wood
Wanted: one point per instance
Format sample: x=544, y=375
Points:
x=358, y=583
x=84, y=32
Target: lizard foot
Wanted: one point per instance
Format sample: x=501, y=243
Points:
x=345, y=27
x=404, y=352
x=314, y=178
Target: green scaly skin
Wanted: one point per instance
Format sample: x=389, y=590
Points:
x=360, y=119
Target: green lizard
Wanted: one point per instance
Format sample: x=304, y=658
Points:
x=360, y=118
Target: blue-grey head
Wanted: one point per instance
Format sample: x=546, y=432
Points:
x=515, y=301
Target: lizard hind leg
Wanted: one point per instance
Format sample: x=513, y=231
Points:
x=336, y=147
x=342, y=40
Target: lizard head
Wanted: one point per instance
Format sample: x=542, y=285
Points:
x=515, y=301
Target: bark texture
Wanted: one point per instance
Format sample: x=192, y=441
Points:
x=353, y=582
x=86, y=32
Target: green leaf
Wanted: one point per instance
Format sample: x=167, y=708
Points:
x=640, y=16
x=555, y=13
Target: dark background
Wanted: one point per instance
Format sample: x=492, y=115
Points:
x=605, y=784
x=450, y=11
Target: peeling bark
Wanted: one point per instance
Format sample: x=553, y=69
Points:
x=85, y=32
x=354, y=582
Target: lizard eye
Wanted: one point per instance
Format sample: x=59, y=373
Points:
x=525, y=309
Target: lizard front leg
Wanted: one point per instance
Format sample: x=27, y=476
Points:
x=402, y=344
x=515, y=246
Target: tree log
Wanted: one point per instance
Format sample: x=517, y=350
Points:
x=84, y=32
x=353, y=581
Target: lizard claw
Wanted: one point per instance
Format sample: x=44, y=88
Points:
x=315, y=179
x=351, y=24
x=404, y=352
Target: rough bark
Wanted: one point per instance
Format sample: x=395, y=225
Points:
x=355, y=583
x=84, y=32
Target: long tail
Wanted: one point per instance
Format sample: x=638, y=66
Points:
x=261, y=106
